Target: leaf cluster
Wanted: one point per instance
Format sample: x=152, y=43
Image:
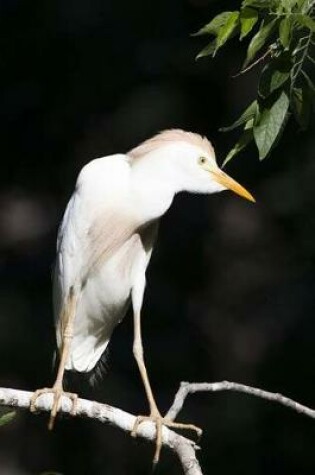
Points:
x=280, y=34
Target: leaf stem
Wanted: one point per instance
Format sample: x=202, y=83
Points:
x=304, y=50
x=252, y=65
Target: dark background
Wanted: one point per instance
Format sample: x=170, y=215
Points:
x=231, y=286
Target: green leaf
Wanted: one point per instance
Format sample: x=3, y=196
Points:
x=259, y=40
x=208, y=50
x=244, y=140
x=288, y=5
x=262, y=4
x=306, y=20
x=250, y=124
x=6, y=418
x=285, y=31
x=301, y=106
x=223, y=26
x=248, y=114
x=248, y=19
x=227, y=29
x=274, y=75
x=215, y=24
x=270, y=124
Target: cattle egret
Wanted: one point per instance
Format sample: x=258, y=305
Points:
x=105, y=243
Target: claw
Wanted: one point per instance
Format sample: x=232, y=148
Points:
x=57, y=394
x=159, y=421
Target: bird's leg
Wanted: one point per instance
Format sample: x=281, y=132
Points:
x=155, y=415
x=67, y=316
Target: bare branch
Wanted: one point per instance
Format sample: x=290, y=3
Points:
x=191, y=388
x=184, y=448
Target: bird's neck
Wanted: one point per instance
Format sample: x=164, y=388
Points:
x=152, y=193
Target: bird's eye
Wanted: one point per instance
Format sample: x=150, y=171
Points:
x=202, y=160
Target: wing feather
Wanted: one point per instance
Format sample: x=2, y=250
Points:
x=95, y=224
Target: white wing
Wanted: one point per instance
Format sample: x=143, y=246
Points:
x=96, y=230
x=101, y=190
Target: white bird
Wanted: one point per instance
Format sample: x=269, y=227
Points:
x=105, y=243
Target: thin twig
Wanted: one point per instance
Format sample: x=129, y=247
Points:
x=297, y=67
x=191, y=388
x=302, y=49
x=252, y=65
x=312, y=60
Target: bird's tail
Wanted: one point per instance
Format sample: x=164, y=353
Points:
x=81, y=382
x=97, y=374
x=91, y=379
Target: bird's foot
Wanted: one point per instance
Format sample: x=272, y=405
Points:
x=159, y=422
x=57, y=392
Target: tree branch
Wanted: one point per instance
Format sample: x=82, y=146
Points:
x=184, y=448
x=191, y=388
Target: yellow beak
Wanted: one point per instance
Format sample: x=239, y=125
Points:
x=228, y=182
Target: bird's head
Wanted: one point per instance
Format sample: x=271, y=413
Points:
x=184, y=161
